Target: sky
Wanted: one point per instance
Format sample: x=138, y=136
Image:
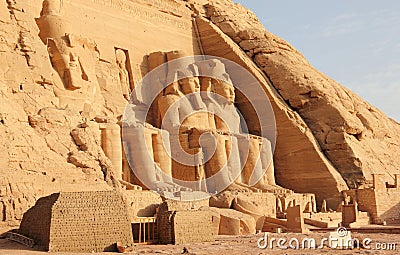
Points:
x=355, y=42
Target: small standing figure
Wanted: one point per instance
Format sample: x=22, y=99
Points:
x=123, y=73
x=324, y=207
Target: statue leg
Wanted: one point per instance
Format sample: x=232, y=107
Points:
x=223, y=168
x=268, y=161
x=258, y=169
x=112, y=147
x=139, y=153
x=250, y=156
x=127, y=174
x=233, y=155
x=162, y=149
x=217, y=170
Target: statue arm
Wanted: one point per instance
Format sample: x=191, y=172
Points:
x=169, y=112
x=211, y=121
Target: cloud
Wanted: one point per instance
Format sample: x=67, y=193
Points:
x=385, y=17
x=379, y=47
x=350, y=23
x=343, y=24
x=303, y=27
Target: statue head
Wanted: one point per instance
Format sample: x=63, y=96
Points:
x=189, y=85
x=51, y=7
x=213, y=71
x=120, y=57
x=223, y=89
x=187, y=77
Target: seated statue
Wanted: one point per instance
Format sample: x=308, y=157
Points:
x=200, y=144
x=255, y=152
x=146, y=153
x=55, y=33
x=182, y=110
x=194, y=133
x=73, y=57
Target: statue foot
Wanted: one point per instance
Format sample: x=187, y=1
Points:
x=272, y=188
x=241, y=188
x=169, y=187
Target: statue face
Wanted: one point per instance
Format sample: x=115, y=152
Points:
x=120, y=57
x=225, y=90
x=51, y=7
x=190, y=85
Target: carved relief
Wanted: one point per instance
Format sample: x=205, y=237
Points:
x=125, y=77
x=73, y=57
x=139, y=11
x=224, y=151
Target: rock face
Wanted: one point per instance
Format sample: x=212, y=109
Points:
x=50, y=141
x=357, y=138
x=298, y=160
x=60, y=92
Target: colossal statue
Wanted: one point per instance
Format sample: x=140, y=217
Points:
x=72, y=57
x=55, y=33
x=182, y=110
x=255, y=151
x=199, y=143
x=198, y=132
x=146, y=153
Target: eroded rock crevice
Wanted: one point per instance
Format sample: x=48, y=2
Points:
x=358, y=134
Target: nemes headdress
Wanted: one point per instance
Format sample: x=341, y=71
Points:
x=179, y=66
x=215, y=69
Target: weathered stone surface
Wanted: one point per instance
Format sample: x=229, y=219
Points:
x=223, y=200
x=298, y=160
x=141, y=203
x=233, y=222
x=60, y=87
x=79, y=222
x=357, y=138
x=182, y=222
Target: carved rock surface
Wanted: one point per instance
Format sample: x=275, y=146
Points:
x=357, y=138
x=49, y=141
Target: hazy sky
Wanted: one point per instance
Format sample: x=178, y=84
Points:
x=355, y=42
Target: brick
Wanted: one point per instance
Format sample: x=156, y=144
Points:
x=79, y=222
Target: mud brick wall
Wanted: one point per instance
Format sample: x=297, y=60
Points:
x=37, y=220
x=388, y=205
x=184, y=226
x=164, y=227
x=142, y=203
x=382, y=204
x=80, y=222
x=366, y=201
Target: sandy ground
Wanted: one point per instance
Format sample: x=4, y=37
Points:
x=238, y=245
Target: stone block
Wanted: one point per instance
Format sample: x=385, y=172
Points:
x=295, y=219
x=79, y=222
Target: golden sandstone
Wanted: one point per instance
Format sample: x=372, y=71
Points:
x=180, y=120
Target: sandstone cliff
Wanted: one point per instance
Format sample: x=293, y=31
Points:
x=355, y=136
x=325, y=132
